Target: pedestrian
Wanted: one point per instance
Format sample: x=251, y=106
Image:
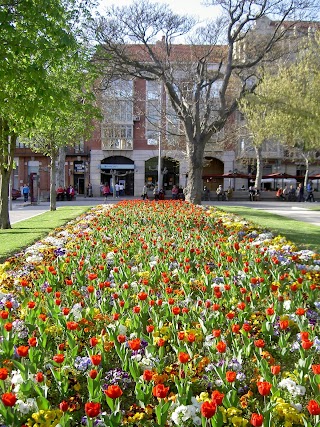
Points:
x=156, y=193
x=106, y=191
x=117, y=188
x=300, y=192
x=219, y=192
x=251, y=193
x=280, y=195
x=121, y=189
x=25, y=192
x=310, y=197
x=89, y=190
x=174, y=192
x=161, y=194
x=229, y=193
x=70, y=193
x=144, y=193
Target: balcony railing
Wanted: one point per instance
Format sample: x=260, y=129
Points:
x=117, y=144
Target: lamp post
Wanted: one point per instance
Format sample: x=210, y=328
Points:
x=159, y=162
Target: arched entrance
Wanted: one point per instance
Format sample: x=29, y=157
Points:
x=170, y=172
x=122, y=169
x=212, y=173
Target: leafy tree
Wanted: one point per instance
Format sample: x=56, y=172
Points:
x=286, y=107
x=205, y=81
x=35, y=37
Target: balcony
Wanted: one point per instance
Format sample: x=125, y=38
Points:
x=120, y=144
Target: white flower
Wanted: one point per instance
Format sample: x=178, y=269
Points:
x=27, y=406
x=287, y=305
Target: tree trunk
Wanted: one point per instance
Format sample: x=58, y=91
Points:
x=60, y=176
x=306, y=176
x=53, y=177
x=4, y=200
x=258, y=150
x=7, y=147
x=195, y=152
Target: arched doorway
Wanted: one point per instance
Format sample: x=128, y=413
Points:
x=122, y=169
x=170, y=172
x=212, y=173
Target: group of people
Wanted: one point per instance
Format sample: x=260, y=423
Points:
x=254, y=194
x=221, y=193
x=293, y=194
x=177, y=193
x=107, y=191
x=66, y=193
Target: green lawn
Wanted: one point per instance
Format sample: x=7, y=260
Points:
x=304, y=235
x=25, y=233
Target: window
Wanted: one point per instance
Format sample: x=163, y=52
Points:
x=117, y=137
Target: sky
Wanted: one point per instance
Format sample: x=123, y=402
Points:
x=182, y=7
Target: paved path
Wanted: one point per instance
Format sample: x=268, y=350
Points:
x=297, y=211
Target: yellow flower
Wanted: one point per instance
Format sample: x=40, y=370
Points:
x=203, y=397
x=233, y=412
x=239, y=421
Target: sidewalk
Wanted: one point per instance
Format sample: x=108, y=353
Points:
x=298, y=211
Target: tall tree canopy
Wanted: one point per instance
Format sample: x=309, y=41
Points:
x=36, y=38
x=206, y=81
x=286, y=105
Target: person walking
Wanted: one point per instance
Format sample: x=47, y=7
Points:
x=300, y=191
x=144, y=193
x=310, y=197
x=106, y=191
x=25, y=192
x=156, y=193
x=117, y=188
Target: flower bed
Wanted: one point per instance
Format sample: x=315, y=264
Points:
x=160, y=314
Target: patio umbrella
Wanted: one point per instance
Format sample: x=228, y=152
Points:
x=235, y=175
x=278, y=175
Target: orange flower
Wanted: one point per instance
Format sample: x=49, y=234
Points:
x=113, y=391
x=183, y=357
x=208, y=409
x=306, y=344
x=96, y=359
x=275, y=369
x=264, y=387
x=9, y=399
x=313, y=407
x=315, y=369
x=58, y=358
x=284, y=324
x=259, y=343
x=160, y=391
x=217, y=397
x=221, y=347
x=92, y=409
x=147, y=375
x=231, y=376
x=135, y=344
x=22, y=351
x=3, y=374
x=300, y=311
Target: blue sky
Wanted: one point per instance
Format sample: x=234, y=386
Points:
x=189, y=7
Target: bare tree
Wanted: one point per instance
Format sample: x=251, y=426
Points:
x=204, y=79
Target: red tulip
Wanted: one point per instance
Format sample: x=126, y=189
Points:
x=147, y=375
x=135, y=344
x=63, y=406
x=92, y=409
x=160, y=391
x=256, y=420
x=313, y=407
x=9, y=399
x=58, y=358
x=39, y=377
x=113, y=391
x=96, y=359
x=208, y=409
x=183, y=357
x=315, y=369
x=93, y=374
x=221, y=347
x=3, y=374
x=264, y=388
x=217, y=397
x=22, y=351
x=231, y=376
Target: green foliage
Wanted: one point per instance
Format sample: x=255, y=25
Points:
x=286, y=105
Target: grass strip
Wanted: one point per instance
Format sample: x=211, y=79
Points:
x=304, y=235
x=25, y=233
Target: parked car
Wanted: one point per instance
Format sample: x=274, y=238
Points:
x=15, y=194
